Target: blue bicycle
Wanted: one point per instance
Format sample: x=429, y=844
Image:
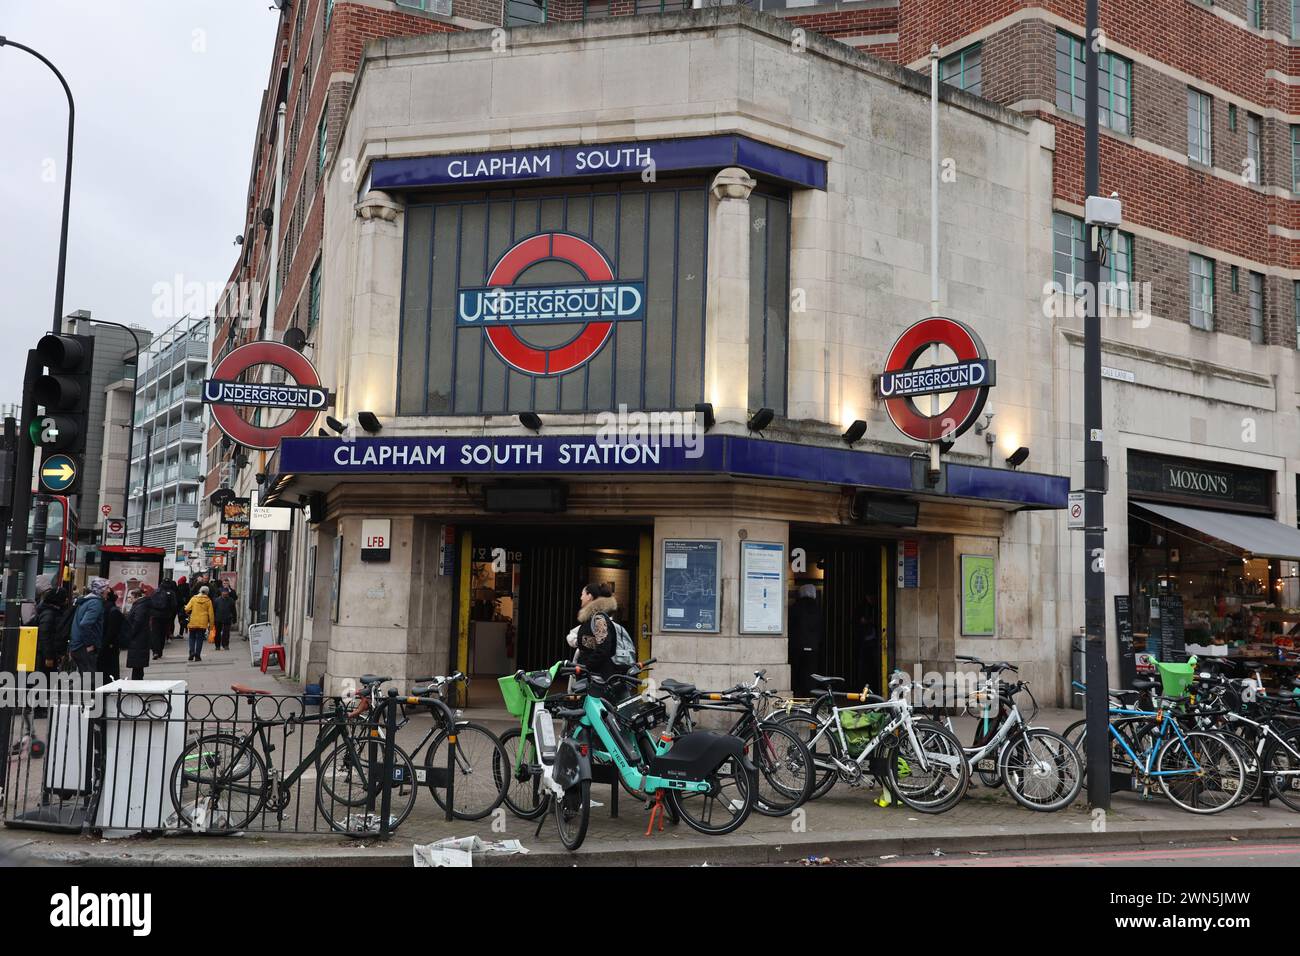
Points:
x=1198, y=770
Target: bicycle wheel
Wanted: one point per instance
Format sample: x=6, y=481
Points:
x=1041, y=770
x=785, y=768
x=478, y=788
x=1200, y=772
x=342, y=786
x=936, y=783
x=525, y=795
x=1283, y=766
x=824, y=751
x=218, y=784
x=573, y=813
x=725, y=805
x=1250, y=765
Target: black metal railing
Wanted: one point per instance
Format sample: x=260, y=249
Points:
x=87, y=760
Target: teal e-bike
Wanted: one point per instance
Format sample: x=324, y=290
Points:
x=702, y=776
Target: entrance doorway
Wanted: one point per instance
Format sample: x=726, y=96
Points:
x=519, y=592
x=855, y=593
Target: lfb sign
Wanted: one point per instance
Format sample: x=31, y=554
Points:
x=376, y=539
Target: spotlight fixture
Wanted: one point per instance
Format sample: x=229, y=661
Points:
x=1017, y=457
x=530, y=420
x=945, y=446
x=322, y=433
x=335, y=424
x=369, y=422
x=762, y=418
x=260, y=477
x=854, y=432
x=704, y=411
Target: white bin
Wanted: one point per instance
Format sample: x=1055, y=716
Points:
x=144, y=734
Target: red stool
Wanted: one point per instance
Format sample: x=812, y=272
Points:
x=270, y=651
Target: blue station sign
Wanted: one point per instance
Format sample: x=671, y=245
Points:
x=604, y=159
x=560, y=455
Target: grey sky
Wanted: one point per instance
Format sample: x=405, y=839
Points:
x=167, y=93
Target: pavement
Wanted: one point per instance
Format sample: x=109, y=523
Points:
x=844, y=825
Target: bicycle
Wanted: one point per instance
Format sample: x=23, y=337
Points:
x=223, y=781
x=784, y=763
x=473, y=747
x=1039, y=767
x=703, y=773
x=1198, y=770
x=923, y=763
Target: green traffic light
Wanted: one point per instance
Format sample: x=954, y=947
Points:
x=34, y=431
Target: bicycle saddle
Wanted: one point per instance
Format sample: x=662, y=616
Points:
x=368, y=680
x=822, y=679
x=678, y=688
x=249, y=691
x=1125, y=696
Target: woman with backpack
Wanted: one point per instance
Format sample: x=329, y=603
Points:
x=597, y=636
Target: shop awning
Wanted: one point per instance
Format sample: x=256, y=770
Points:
x=1261, y=537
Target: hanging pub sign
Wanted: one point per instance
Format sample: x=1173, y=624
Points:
x=238, y=532
x=225, y=393
x=501, y=307
x=236, y=511
x=904, y=380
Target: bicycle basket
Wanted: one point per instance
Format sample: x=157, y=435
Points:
x=513, y=693
x=859, y=727
x=1175, y=678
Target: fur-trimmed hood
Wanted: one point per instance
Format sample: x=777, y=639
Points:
x=600, y=605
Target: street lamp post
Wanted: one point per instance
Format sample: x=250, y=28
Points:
x=1094, y=463
x=57, y=326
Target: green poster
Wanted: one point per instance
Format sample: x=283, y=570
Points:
x=978, y=608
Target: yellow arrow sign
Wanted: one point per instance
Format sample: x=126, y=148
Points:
x=63, y=472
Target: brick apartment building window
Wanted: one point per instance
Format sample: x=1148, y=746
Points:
x=962, y=70
x=313, y=297
x=1115, y=77
x=1199, y=118
x=1256, y=307
x=1295, y=19
x=1295, y=158
x=1253, y=129
x=1295, y=307
x=329, y=12
x=1201, y=274
x=322, y=134
x=1067, y=261
x=1254, y=13
x=662, y=6
x=594, y=9
x=522, y=13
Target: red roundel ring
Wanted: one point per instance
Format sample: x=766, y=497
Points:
x=965, y=408
x=265, y=353
x=584, y=257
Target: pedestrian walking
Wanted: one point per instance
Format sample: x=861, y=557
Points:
x=163, y=609
x=109, y=660
x=223, y=609
x=806, y=631
x=88, y=627
x=199, y=614
x=140, y=632
x=183, y=596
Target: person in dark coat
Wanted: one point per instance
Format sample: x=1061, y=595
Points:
x=223, y=611
x=163, y=608
x=109, y=662
x=807, y=628
x=596, y=640
x=138, y=633
x=53, y=629
x=182, y=598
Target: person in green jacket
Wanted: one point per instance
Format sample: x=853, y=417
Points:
x=201, y=618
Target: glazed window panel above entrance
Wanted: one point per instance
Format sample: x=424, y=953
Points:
x=573, y=300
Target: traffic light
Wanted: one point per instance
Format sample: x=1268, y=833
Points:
x=64, y=392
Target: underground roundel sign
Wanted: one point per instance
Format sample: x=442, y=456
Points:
x=961, y=379
x=304, y=394
x=506, y=309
